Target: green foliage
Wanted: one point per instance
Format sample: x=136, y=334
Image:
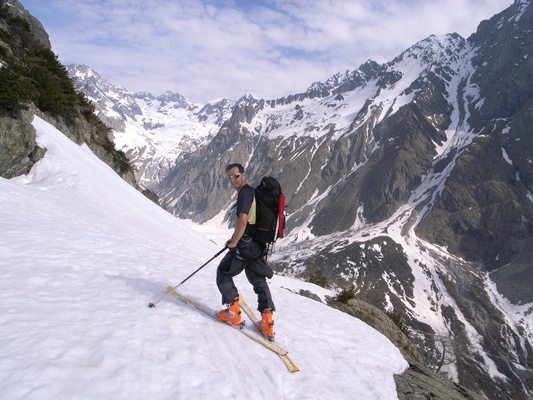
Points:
x=108, y=145
x=56, y=91
x=346, y=294
x=33, y=73
x=4, y=35
x=123, y=162
x=318, y=278
x=51, y=93
x=88, y=110
x=398, y=321
x=14, y=91
x=119, y=157
x=21, y=24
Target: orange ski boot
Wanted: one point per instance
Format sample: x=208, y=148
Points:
x=232, y=314
x=266, y=325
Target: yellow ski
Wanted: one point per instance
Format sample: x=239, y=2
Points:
x=291, y=366
x=252, y=335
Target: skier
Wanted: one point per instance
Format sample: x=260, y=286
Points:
x=246, y=254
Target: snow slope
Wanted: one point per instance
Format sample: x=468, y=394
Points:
x=82, y=254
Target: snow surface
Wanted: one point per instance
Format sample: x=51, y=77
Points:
x=82, y=254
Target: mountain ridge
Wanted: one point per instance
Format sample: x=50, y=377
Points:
x=151, y=130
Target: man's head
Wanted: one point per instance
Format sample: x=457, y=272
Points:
x=236, y=176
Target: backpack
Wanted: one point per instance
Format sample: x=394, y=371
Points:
x=270, y=211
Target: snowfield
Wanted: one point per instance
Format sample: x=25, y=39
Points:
x=82, y=254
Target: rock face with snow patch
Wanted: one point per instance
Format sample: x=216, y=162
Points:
x=18, y=148
x=485, y=211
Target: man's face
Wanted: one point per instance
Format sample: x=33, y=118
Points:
x=235, y=178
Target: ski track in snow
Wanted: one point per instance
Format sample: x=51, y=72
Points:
x=82, y=254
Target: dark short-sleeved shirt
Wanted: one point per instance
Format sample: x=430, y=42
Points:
x=246, y=203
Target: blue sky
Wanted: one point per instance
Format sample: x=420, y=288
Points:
x=205, y=50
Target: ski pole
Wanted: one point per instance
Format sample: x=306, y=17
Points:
x=151, y=305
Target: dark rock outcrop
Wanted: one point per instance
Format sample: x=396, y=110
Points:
x=418, y=381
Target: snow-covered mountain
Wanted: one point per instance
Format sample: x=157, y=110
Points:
x=152, y=131
x=411, y=180
x=82, y=253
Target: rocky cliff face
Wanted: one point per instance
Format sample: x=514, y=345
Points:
x=485, y=211
x=18, y=148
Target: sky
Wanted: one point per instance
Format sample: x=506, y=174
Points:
x=209, y=49
x=82, y=253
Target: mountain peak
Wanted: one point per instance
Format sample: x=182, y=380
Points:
x=178, y=100
x=349, y=80
x=147, y=96
x=435, y=49
x=248, y=98
x=82, y=72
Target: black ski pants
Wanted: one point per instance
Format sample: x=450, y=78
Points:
x=257, y=271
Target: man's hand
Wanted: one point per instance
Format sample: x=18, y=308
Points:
x=230, y=244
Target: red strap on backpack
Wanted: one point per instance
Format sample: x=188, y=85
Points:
x=281, y=216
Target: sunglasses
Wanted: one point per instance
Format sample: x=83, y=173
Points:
x=234, y=176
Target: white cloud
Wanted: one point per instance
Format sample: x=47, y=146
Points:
x=210, y=49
